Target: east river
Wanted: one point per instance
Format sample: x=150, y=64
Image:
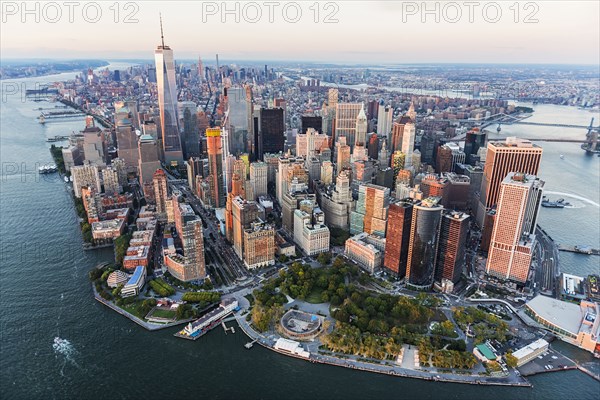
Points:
x=45, y=294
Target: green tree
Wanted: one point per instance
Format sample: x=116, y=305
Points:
x=511, y=360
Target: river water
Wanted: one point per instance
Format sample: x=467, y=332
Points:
x=46, y=295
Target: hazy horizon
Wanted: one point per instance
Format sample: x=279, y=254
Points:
x=365, y=33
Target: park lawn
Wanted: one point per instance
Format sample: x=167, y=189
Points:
x=315, y=296
x=135, y=309
x=162, y=313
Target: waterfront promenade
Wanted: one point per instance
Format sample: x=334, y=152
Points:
x=147, y=325
x=384, y=367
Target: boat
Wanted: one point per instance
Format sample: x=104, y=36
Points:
x=48, y=169
x=66, y=178
x=57, y=138
x=560, y=203
x=562, y=157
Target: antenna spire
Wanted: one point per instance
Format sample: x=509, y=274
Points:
x=162, y=36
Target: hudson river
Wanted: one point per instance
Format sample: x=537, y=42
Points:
x=45, y=294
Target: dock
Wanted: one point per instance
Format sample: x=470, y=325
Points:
x=225, y=328
x=250, y=344
x=587, y=250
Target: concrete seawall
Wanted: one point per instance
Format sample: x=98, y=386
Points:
x=356, y=366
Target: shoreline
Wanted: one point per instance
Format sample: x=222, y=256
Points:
x=146, y=325
x=343, y=364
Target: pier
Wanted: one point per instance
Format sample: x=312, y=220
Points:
x=225, y=328
x=249, y=345
x=587, y=250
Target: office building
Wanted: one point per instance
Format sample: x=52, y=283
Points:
x=147, y=158
x=385, y=116
x=513, y=236
x=94, y=145
x=259, y=179
x=346, y=115
x=512, y=155
x=423, y=242
x=272, y=129
x=259, y=245
x=214, y=147
x=452, y=246
x=110, y=180
x=370, y=214
x=311, y=121
x=127, y=141
x=398, y=235
x=311, y=143
x=244, y=212
x=85, y=175
x=310, y=232
x=167, y=103
x=366, y=250
x=336, y=201
x=474, y=141
x=343, y=158
x=361, y=128
x=239, y=118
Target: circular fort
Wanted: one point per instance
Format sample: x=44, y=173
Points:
x=300, y=325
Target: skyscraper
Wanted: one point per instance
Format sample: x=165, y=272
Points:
x=501, y=158
x=361, y=128
x=370, y=214
x=408, y=142
x=384, y=120
x=474, y=141
x=398, y=236
x=126, y=137
x=312, y=121
x=513, y=236
x=258, y=178
x=215, y=166
x=422, y=250
x=345, y=122
x=244, y=212
x=147, y=158
x=452, y=245
x=167, y=101
x=238, y=118
x=272, y=129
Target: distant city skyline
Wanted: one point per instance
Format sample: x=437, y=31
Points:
x=380, y=32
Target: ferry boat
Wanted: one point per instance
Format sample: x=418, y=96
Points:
x=560, y=203
x=57, y=138
x=48, y=169
x=195, y=329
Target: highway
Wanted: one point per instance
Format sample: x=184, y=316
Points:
x=222, y=253
x=547, y=261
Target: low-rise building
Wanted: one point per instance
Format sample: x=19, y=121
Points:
x=109, y=229
x=575, y=324
x=117, y=278
x=365, y=250
x=135, y=284
x=135, y=256
x=484, y=353
x=531, y=351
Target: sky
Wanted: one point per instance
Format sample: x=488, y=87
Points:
x=387, y=32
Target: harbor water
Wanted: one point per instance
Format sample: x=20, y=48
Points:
x=57, y=342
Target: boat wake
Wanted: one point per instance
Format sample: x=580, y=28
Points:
x=574, y=196
x=63, y=348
